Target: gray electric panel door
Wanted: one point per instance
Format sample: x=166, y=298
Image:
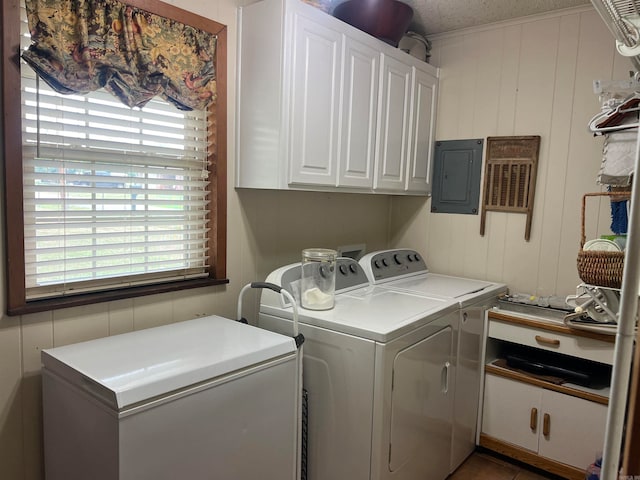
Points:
x=456, y=176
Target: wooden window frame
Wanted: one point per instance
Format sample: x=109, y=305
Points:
x=11, y=144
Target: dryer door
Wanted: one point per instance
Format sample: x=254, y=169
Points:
x=421, y=408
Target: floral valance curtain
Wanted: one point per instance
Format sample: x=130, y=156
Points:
x=79, y=46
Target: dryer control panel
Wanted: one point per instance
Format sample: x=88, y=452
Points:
x=391, y=264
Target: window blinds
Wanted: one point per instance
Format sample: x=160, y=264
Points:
x=113, y=196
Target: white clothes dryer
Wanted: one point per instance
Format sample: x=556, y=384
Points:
x=405, y=270
x=377, y=369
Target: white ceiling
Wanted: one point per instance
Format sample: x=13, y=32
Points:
x=437, y=16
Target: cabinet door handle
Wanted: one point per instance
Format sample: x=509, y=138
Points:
x=549, y=341
x=533, y=420
x=546, y=424
x=444, y=380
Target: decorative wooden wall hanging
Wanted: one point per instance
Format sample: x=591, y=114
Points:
x=510, y=177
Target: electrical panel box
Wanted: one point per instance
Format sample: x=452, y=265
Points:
x=456, y=176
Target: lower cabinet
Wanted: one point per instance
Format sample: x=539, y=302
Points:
x=552, y=425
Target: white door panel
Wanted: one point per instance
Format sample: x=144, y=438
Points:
x=315, y=102
x=359, y=114
x=393, y=125
x=508, y=410
x=421, y=408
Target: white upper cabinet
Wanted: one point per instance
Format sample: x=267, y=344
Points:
x=423, y=110
x=315, y=102
x=323, y=106
x=361, y=77
x=393, y=125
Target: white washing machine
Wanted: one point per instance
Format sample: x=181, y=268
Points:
x=377, y=369
x=405, y=270
x=201, y=399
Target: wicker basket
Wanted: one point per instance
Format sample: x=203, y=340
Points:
x=596, y=267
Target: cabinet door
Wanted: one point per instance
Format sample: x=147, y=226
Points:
x=423, y=109
x=393, y=125
x=359, y=108
x=508, y=412
x=315, y=95
x=576, y=429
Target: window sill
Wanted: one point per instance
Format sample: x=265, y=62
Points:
x=111, y=295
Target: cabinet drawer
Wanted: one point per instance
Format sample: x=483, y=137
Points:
x=567, y=344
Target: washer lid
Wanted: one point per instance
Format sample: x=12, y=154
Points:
x=126, y=369
x=441, y=285
x=375, y=312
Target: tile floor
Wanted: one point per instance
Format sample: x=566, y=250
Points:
x=485, y=466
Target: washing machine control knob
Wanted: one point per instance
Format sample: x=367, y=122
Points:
x=343, y=269
x=376, y=263
x=353, y=268
x=385, y=262
x=396, y=258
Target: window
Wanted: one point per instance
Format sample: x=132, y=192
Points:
x=105, y=202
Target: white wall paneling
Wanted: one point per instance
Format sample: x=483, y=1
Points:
x=532, y=76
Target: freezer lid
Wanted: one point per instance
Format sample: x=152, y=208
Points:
x=130, y=368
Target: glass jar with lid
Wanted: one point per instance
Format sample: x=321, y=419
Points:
x=318, y=278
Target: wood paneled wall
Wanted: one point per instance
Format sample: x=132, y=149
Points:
x=533, y=76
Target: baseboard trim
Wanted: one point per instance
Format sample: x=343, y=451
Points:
x=526, y=456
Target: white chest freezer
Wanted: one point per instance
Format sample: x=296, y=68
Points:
x=208, y=398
